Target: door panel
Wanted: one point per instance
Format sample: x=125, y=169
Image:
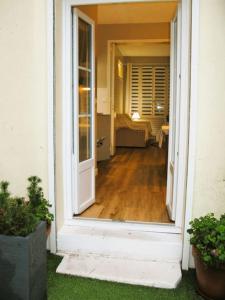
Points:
x=83, y=112
x=173, y=150
x=111, y=96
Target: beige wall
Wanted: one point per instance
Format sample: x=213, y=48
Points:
x=23, y=96
x=124, y=32
x=209, y=188
x=145, y=12
x=23, y=92
x=90, y=10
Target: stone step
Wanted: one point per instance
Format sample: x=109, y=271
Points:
x=137, y=272
x=120, y=243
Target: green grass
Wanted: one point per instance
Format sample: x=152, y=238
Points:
x=63, y=287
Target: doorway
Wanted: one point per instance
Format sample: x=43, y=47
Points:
x=145, y=196
x=72, y=186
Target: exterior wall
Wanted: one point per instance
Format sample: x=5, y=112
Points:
x=209, y=189
x=23, y=98
x=23, y=92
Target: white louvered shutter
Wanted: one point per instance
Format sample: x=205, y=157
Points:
x=161, y=90
x=147, y=92
x=135, y=89
x=149, y=86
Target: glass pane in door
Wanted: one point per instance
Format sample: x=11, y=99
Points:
x=84, y=92
x=84, y=138
x=84, y=44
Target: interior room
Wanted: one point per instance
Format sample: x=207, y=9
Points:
x=132, y=110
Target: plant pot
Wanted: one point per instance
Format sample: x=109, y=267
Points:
x=23, y=266
x=211, y=281
x=48, y=229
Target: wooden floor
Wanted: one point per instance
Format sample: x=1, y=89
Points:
x=131, y=186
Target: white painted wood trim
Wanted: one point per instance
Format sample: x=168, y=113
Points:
x=51, y=129
x=192, y=129
x=129, y=225
x=110, y=91
x=177, y=112
x=85, y=2
x=78, y=167
x=170, y=177
x=74, y=112
x=184, y=112
x=68, y=175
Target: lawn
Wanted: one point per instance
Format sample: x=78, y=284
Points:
x=63, y=287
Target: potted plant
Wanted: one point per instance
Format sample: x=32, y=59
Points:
x=39, y=205
x=208, y=240
x=23, y=272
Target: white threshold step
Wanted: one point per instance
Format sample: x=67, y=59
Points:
x=138, y=272
x=120, y=243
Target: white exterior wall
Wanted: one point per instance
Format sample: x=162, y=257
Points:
x=209, y=187
x=23, y=92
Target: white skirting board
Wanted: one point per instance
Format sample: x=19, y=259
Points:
x=137, y=272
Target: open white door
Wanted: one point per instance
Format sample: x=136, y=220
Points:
x=83, y=112
x=174, y=116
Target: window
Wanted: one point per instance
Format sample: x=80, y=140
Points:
x=149, y=90
x=84, y=78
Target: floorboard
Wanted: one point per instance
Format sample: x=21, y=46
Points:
x=131, y=186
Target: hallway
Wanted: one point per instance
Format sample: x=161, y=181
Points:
x=131, y=187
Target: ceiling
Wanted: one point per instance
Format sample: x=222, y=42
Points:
x=127, y=13
x=144, y=49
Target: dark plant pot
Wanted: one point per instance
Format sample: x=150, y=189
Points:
x=211, y=281
x=23, y=269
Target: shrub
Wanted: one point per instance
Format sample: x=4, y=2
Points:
x=16, y=217
x=208, y=236
x=39, y=205
x=19, y=217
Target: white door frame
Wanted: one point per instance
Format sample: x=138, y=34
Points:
x=172, y=170
x=111, y=92
x=186, y=181
x=187, y=259
x=111, y=78
x=52, y=245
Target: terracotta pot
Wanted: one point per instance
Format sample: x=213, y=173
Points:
x=211, y=281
